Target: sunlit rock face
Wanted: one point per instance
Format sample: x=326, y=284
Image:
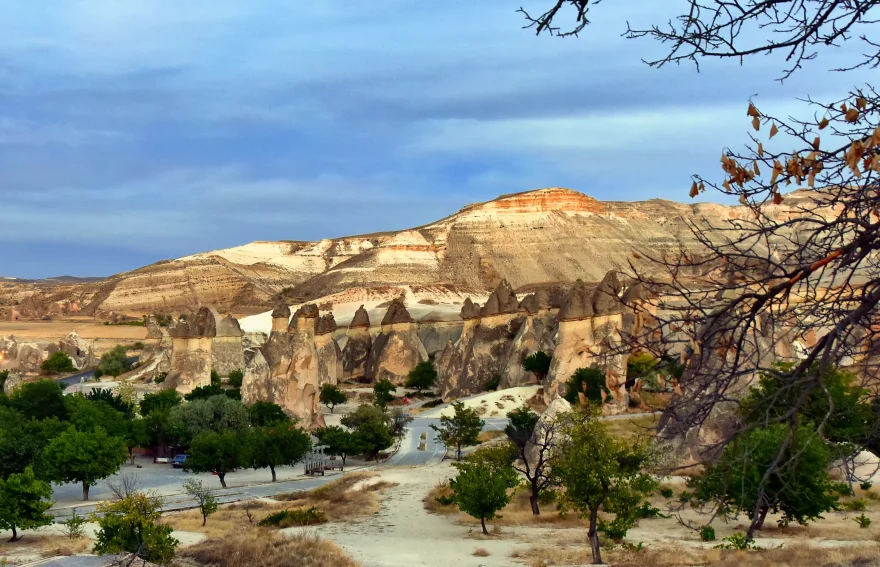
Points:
x=397, y=348
x=358, y=345
x=536, y=334
x=192, y=342
x=590, y=324
x=227, y=350
x=286, y=370
x=330, y=368
x=80, y=351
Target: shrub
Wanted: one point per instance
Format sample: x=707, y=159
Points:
x=383, y=392
x=3, y=376
x=215, y=378
x=138, y=346
x=422, y=376
x=236, y=377
x=291, y=518
x=433, y=403
x=647, y=511
x=97, y=374
x=493, y=383
x=160, y=377
x=74, y=526
x=866, y=486
x=737, y=541
x=667, y=493
x=58, y=362
x=589, y=381
x=113, y=363
x=538, y=364
x=707, y=533
x=863, y=521
x=857, y=505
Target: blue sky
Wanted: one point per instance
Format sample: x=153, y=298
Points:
x=136, y=131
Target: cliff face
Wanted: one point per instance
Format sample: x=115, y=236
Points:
x=543, y=236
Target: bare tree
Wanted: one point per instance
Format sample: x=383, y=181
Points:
x=125, y=485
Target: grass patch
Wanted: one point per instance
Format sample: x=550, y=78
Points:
x=353, y=496
x=486, y=436
x=481, y=552
x=261, y=548
x=290, y=518
x=644, y=426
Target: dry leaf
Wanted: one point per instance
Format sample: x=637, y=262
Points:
x=761, y=147
x=777, y=198
x=852, y=115
x=843, y=107
x=773, y=130
x=756, y=123
x=695, y=190
x=823, y=124
x=816, y=143
x=753, y=111
x=755, y=166
x=637, y=256
x=861, y=103
x=742, y=198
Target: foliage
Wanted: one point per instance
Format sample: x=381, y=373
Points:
x=383, y=392
x=460, y=430
x=398, y=421
x=644, y=367
x=364, y=413
x=532, y=445
x=537, y=363
x=331, y=396
x=855, y=505
x=492, y=383
x=481, y=487
x=203, y=495
x=138, y=346
x=88, y=415
x=667, y=493
x=236, y=378
x=24, y=501
x=278, y=444
x=863, y=521
x=215, y=414
x=83, y=456
x=136, y=434
x=339, y=442
x=39, y=400
x=215, y=378
x=600, y=472
x=23, y=441
x=707, y=533
x=74, y=526
x=131, y=525
x=292, y=518
x=113, y=362
x=373, y=436
x=801, y=489
x=160, y=378
x=204, y=392
x=737, y=541
x=4, y=374
x=589, y=381
x=866, y=486
x=433, y=403
x=57, y=363
x=219, y=453
x=164, y=399
x=423, y=376
x=266, y=413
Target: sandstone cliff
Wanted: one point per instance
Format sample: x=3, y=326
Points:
x=397, y=349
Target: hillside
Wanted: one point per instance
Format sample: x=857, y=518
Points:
x=531, y=238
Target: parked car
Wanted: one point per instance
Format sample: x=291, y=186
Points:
x=178, y=461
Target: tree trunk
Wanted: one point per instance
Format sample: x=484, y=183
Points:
x=758, y=523
x=272, y=468
x=85, y=491
x=483, y=523
x=458, y=453
x=593, y=536
x=222, y=477
x=14, y=535
x=204, y=519
x=533, y=500
x=762, y=517
x=343, y=463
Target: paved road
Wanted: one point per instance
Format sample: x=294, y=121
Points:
x=89, y=374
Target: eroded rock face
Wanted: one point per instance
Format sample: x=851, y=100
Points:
x=191, y=357
x=397, y=349
x=227, y=349
x=79, y=350
x=435, y=335
x=29, y=357
x=535, y=334
x=330, y=369
x=556, y=408
x=286, y=370
x=358, y=346
x=502, y=300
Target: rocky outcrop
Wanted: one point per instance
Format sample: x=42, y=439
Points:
x=80, y=351
x=280, y=318
x=155, y=358
x=397, y=349
x=330, y=369
x=357, y=347
x=286, y=370
x=545, y=423
x=191, y=351
x=590, y=324
x=227, y=349
x=500, y=301
x=536, y=334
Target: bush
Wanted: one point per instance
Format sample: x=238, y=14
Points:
x=215, y=378
x=137, y=346
x=433, y=403
x=422, y=376
x=74, y=527
x=58, y=362
x=647, y=511
x=707, y=533
x=160, y=377
x=863, y=521
x=591, y=382
x=3, y=376
x=667, y=493
x=538, y=364
x=97, y=374
x=236, y=377
x=291, y=518
x=866, y=486
x=493, y=383
x=113, y=363
x=857, y=505
x=737, y=541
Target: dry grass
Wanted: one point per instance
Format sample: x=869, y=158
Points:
x=481, y=552
x=517, y=513
x=789, y=556
x=265, y=548
x=45, y=545
x=487, y=436
x=644, y=427
x=341, y=500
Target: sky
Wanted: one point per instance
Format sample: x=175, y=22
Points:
x=136, y=131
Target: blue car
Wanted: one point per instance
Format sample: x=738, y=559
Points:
x=178, y=461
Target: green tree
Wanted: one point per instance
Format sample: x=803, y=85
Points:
x=481, y=487
x=532, y=442
x=113, y=400
x=801, y=489
x=205, y=392
x=423, y=376
x=216, y=414
x=57, y=363
x=24, y=501
x=537, y=363
x=83, y=456
x=236, y=378
x=278, y=444
x=332, y=396
x=39, y=400
x=460, y=430
x=600, y=472
x=215, y=378
x=363, y=414
x=131, y=525
x=88, y=415
x=589, y=381
x=266, y=413
x=203, y=495
x=165, y=399
x=398, y=420
x=137, y=434
x=113, y=362
x=339, y=442
x=383, y=392
x=372, y=437
x=220, y=453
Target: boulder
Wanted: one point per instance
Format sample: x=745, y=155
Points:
x=12, y=383
x=358, y=345
x=79, y=350
x=30, y=357
x=864, y=467
x=578, y=304
x=605, y=296
x=361, y=319
x=469, y=310
x=280, y=318
x=397, y=313
x=556, y=408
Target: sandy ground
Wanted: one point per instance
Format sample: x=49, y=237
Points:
x=101, y=337
x=491, y=404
